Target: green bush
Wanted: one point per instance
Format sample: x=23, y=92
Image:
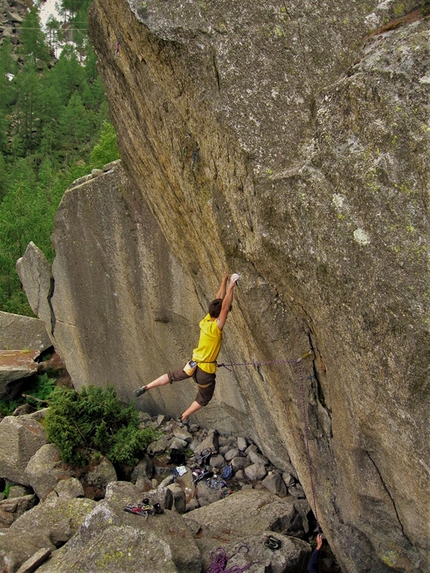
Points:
x=40, y=389
x=8, y=406
x=94, y=420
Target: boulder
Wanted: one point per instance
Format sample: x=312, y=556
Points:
x=255, y=455
x=248, y=513
x=37, y=277
x=96, y=478
x=69, y=488
x=12, y=508
x=22, y=332
x=35, y=560
x=114, y=541
x=275, y=484
x=178, y=496
x=208, y=446
x=46, y=526
x=20, y=438
x=292, y=556
x=255, y=472
x=45, y=469
x=15, y=366
x=142, y=472
x=114, y=550
x=123, y=492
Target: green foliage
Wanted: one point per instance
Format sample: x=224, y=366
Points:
x=7, y=407
x=425, y=7
x=43, y=388
x=52, y=117
x=32, y=38
x=7, y=490
x=107, y=148
x=94, y=419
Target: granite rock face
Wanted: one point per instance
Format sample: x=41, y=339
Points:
x=22, y=332
x=289, y=142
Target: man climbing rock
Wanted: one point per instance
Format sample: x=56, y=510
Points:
x=203, y=365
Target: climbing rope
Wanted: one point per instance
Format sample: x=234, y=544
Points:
x=219, y=560
x=258, y=363
x=298, y=365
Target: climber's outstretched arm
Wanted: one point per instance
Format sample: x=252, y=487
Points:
x=222, y=287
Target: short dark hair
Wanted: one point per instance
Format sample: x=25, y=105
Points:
x=215, y=308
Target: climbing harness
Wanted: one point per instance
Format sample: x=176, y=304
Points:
x=219, y=560
x=298, y=366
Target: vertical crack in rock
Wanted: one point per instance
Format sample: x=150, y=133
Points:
x=217, y=76
x=51, y=308
x=393, y=503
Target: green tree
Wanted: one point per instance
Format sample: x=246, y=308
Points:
x=8, y=70
x=106, y=149
x=50, y=116
x=54, y=33
x=28, y=97
x=26, y=214
x=74, y=125
x=32, y=38
x=68, y=75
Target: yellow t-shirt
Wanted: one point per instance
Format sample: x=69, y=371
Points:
x=209, y=346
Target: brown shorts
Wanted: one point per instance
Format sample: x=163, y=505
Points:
x=205, y=382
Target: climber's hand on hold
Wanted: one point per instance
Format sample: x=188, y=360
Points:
x=234, y=278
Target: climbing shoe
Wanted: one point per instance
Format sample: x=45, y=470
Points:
x=182, y=422
x=140, y=391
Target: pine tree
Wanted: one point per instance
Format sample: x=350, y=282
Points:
x=32, y=38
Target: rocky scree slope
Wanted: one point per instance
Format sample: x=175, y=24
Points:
x=59, y=517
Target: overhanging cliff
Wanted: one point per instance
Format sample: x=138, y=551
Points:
x=287, y=142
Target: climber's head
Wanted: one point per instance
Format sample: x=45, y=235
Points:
x=215, y=308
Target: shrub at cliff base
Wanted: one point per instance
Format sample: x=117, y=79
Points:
x=95, y=420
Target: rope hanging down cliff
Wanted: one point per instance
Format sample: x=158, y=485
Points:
x=298, y=365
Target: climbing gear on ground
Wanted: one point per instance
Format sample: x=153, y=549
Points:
x=216, y=482
x=190, y=367
x=140, y=391
x=273, y=543
x=144, y=508
x=200, y=474
x=219, y=561
x=227, y=472
x=204, y=455
x=179, y=471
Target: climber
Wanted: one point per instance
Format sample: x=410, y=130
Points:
x=313, y=561
x=203, y=365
